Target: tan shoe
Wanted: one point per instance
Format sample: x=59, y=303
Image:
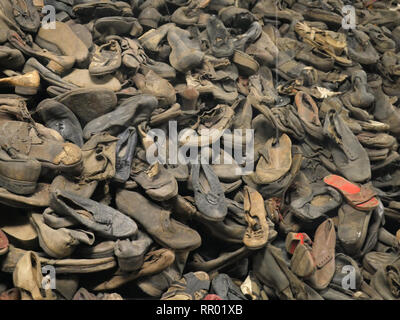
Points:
x=27, y=140
x=26, y=84
x=59, y=243
x=28, y=276
x=256, y=235
x=323, y=251
x=154, y=262
x=18, y=230
x=275, y=160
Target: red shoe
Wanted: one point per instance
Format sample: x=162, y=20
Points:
x=212, y=297
x=361, y=197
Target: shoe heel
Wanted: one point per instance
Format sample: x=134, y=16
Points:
x=55, y=67
x=29, y=91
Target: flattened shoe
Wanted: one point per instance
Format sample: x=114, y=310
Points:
x=275, y=160
x=102, y=219
x=26, y=15
x=3, y=243
x=185, y=54
x=131, y=112
x=57, y=116
x=349, y=156
x=154, y=262
x=157, y=222
x=18, y=173
x=208, y=193
x=158, y=182
x=106, y=59
x=308, y=113
x=26, y=139
x=125, y=151
x=192, y=286
x=323, y=251
x=352, y=228
x=59, y=243
x=257, y=232
x=361, y=197
x=223, y=286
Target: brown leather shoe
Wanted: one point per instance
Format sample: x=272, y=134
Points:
x=323, y=251
x=3, y=243
x=256, y=235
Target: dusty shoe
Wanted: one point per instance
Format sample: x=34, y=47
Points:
x=302, y=262
x=52, y=154
x=386, y=281
x=26, y=84
x=208, y=193
x=125, y=151
x=154, y=262
x=130, y=253
x=225, y=288
x=18, y=173
x=352, y=228
x=26, y=15
x=3, y=243
x=186, y=53
x=158, y=182
x=11, y=58
x=275, y=160
x=28, y=277
x=157, y=222
x=152, y=83
x=64, y=40
x=98, y=217
x=131, y=112
x=192, y=286
x=56, y=63
x=323, y=251
x=308, y=113
x=57, y=116
x=83, y=79
x=106, y=59
x=98, y=102
x=221, y=44
x=99, y=157
x=59, y=243
x=349, y=156
x=256, y=235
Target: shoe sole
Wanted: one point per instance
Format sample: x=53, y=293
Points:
x=17, y=186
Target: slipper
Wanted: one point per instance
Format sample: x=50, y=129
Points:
x=362, y=197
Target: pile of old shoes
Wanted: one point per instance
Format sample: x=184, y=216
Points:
x=199, y=150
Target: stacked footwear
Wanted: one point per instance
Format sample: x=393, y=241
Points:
x=127, y=170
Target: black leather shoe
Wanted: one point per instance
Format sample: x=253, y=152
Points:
x=57, y=116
